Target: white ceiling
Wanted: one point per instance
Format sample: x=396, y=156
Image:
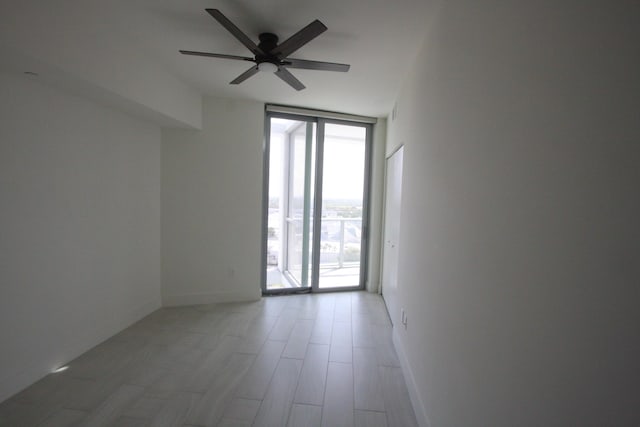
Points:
x=90, y=38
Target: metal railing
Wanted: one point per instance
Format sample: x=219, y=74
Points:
x=331, y=235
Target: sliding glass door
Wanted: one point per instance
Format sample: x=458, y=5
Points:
x=341, y=207
x=316, y=204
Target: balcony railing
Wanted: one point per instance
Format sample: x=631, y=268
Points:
x=340, y=240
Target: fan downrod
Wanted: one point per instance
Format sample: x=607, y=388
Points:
x=268, y=42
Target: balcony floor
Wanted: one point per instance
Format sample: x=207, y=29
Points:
x=331, y=277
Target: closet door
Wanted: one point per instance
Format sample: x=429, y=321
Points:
x=393, y=198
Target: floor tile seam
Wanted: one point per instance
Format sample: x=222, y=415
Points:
x=371, y=410
x=46, y=412
x=286, y=421
x=133, y=417
x=306, y=404
x=49, y=416
x=292, y=358
x=352, y=391
x=235, y=388
x=385, y=365
x=288, y=335
x=326, y=382
x=370, y=347
x=326, y=374
x=341, y=363
x=179, y=389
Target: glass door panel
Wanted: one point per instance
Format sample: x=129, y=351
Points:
x=290, y=199
x=344, y=154
x=301, y=147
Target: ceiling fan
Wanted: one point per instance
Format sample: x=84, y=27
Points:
x=269, y=56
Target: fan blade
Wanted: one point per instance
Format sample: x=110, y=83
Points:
x=237, y=33
x=315, y=65
x=289, y=78
x=215, y=55
x=244, y=76
x=299, y=39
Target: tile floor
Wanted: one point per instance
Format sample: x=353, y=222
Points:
x=287, y=361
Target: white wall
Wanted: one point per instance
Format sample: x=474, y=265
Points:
x=520, y=264
x=79, y=227
x=212, y=206
x=158, y=97
x=56, y=41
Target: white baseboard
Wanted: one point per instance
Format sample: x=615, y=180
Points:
x=373, y=286
x=144, y=310
x=209, y=298
x=414, y=395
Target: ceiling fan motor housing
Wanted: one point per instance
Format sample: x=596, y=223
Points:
x=268, y=42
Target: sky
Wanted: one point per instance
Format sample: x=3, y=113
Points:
x=344, y=159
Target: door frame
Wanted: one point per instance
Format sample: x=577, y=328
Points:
x=321, y=119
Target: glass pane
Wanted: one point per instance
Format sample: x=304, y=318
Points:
x=344, y=160
x=290, y=198
x=295, y=216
